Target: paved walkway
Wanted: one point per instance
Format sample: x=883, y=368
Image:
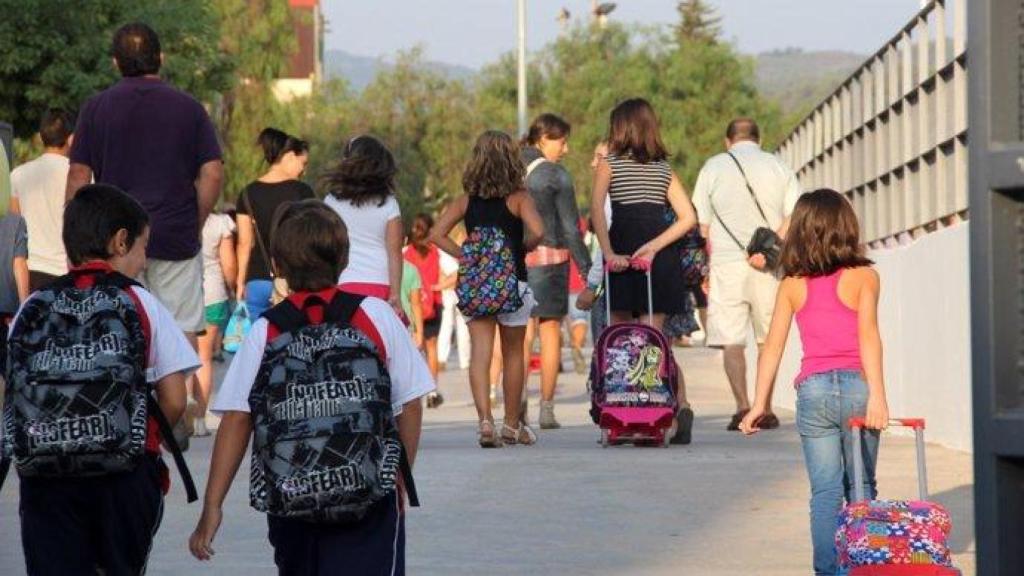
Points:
x=723, y=506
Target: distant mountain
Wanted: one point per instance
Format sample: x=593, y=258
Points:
x=800, y=80
x=359, y=71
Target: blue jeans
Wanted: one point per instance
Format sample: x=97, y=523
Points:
x=825, y=402
x=257, y=297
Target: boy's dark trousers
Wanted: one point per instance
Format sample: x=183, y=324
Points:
x=74, y=525
x=375, y=546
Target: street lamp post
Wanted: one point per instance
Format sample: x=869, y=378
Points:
x=522, y=65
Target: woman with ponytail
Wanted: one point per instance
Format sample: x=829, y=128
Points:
x=286, y=158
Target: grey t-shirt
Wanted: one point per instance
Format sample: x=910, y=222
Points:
x=13, y=244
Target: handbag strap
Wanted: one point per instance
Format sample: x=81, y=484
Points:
x=722, y=224
x=749, y=188
x=256, y=229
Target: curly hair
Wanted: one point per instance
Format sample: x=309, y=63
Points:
x=823, y=236
x=364, y=173
x=495, y=170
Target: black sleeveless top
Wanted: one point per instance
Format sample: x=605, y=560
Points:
x=495, y=212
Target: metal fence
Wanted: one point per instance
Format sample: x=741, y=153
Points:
x=893, y=136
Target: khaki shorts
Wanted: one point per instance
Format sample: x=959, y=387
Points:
x=178, y=285
x=741, y=297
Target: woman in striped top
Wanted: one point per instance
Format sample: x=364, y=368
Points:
x=642, y=186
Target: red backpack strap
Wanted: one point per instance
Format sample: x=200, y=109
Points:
x=347, y=309
x=147, y=329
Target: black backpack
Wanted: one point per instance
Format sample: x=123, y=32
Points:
x=325, y=442
x=77, y=402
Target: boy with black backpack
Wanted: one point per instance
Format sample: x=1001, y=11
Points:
x=82, y=424
x=328, y=384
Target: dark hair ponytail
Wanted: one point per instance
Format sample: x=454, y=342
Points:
x=276, y=143
x=546, y=125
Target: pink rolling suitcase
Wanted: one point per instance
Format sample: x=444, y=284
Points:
x=893, y=537
x=633, y=380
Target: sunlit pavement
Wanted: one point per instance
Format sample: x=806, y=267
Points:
x=722, y=506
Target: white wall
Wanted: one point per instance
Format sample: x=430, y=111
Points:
x=924, y=315
x=288, y=89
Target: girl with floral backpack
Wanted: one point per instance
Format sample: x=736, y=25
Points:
x=492, y=288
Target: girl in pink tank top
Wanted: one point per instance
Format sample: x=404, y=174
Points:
x=832, y=291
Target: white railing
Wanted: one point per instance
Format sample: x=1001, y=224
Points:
x=893, y=136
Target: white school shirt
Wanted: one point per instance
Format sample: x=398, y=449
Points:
x=410, y=377
x=367, y=230
x=217, y=228
x=169, y=350
x=39, y=187
x=720, y=183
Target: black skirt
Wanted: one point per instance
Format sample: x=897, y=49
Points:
x=550, y=286
x=632, y=227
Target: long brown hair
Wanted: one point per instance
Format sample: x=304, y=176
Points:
x=633, y=131
x=364, y=173
x=547, y=125
x=495, y=170
x=823, y=236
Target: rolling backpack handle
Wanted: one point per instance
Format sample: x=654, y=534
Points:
x=636, y=264
x=857, y=425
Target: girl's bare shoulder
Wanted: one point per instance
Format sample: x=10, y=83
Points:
x=794, y=290
x=863, y=276
x=515, y=201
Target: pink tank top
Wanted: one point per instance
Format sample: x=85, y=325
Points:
x=828, y=330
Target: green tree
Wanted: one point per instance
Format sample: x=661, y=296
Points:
x=429, y=123
x=698, y=21
x=257, y=36
x=705, y=85
x=56, y=53
x=695, y=84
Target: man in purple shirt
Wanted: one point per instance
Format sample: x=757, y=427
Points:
x=157, y=144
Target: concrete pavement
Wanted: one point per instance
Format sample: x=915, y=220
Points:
x=723, y=506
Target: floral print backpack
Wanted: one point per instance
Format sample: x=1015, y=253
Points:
x=487, y=284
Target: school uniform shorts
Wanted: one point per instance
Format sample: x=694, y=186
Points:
x=374, y=546
x=74, y=525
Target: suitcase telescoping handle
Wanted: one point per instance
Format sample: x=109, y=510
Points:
x=857, y=425
x=636, y=264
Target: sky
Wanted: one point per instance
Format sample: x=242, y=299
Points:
x=475, y=32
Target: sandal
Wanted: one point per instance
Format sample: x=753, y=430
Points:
x=523, y=435
x=486, y=436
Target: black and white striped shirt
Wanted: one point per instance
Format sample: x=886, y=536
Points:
x=635, y=183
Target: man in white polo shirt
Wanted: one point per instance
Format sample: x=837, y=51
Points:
x=37, y=193
x=737, y=192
